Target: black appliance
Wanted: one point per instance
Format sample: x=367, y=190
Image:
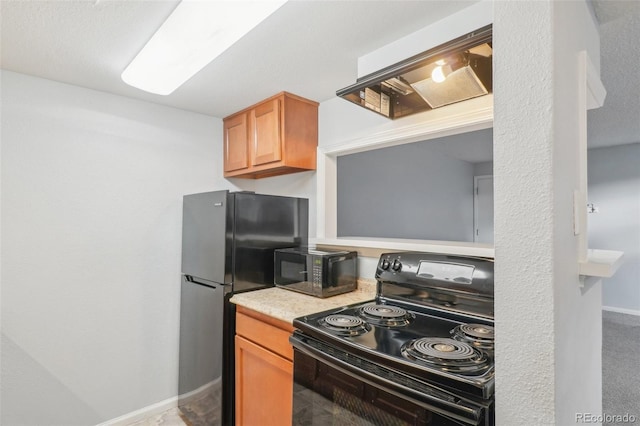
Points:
x=319, y=273
x=420, y=353
x=228, y=240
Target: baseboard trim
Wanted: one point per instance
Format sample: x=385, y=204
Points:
x=143, y=413
x=621, y=310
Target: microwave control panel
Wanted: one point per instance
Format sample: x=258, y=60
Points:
x=316, y=271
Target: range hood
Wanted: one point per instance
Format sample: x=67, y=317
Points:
x=452, y=72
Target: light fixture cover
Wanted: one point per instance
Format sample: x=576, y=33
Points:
x=459, y=85
x=195, y=33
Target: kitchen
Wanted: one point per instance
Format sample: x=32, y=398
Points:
x=91, y=214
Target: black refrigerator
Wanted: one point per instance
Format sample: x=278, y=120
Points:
x=228, y=240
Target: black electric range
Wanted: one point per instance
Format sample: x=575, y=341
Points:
x=421, y=352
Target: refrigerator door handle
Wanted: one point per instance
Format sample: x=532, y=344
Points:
x=209, y=284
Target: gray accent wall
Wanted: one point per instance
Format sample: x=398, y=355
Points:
x=614, y=188
x=483, y=169
x=433, y=190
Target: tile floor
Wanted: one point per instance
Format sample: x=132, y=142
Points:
x=204, y=410
x=168, y=418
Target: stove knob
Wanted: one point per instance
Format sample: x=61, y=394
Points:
x=385, y=264
x=396, y=265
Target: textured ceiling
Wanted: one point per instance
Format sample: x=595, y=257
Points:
x=306, y=47
x=309, y=48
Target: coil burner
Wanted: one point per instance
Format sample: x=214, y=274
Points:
x=385, y=315
x=344, y=325
x=446, y=354
x=479, y=335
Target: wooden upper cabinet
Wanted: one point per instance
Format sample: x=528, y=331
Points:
x=280, y=137
x=236, y=144
x=265, y=124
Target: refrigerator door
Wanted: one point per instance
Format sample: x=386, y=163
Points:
x=200, y=369
x=204, y=230
x=263, y=223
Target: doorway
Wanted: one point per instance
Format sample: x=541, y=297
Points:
x=483, y=209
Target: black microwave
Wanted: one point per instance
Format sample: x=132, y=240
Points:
x=319, y=273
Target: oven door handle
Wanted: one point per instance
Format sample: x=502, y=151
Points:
x=439, y=401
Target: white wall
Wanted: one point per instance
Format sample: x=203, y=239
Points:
x=614, y=187
x=473, y=16
x=548, y=329
x=92, y=188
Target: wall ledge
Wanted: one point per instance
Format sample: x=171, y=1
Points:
x=596, y=92
x=601, y=263
x=370, y=247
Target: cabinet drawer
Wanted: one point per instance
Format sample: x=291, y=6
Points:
x=268, y=332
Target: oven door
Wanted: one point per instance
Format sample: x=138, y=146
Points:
x=333, y=388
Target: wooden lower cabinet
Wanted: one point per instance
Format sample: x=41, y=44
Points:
x=264, y=370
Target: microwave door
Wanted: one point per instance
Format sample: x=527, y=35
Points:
x=291, y=269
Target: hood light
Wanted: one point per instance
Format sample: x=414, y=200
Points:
x=440, y=72
x=195, y=33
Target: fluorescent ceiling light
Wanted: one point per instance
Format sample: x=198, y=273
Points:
x=192, y=36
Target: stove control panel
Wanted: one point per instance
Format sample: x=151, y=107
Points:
x=473, y=275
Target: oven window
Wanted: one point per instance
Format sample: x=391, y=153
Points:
x=341, y=409
x=323, y=395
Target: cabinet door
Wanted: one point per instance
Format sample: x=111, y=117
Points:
x=236, y=143
x=266, y=133
x=264, y=386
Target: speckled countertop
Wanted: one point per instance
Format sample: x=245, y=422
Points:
x=287, y=305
